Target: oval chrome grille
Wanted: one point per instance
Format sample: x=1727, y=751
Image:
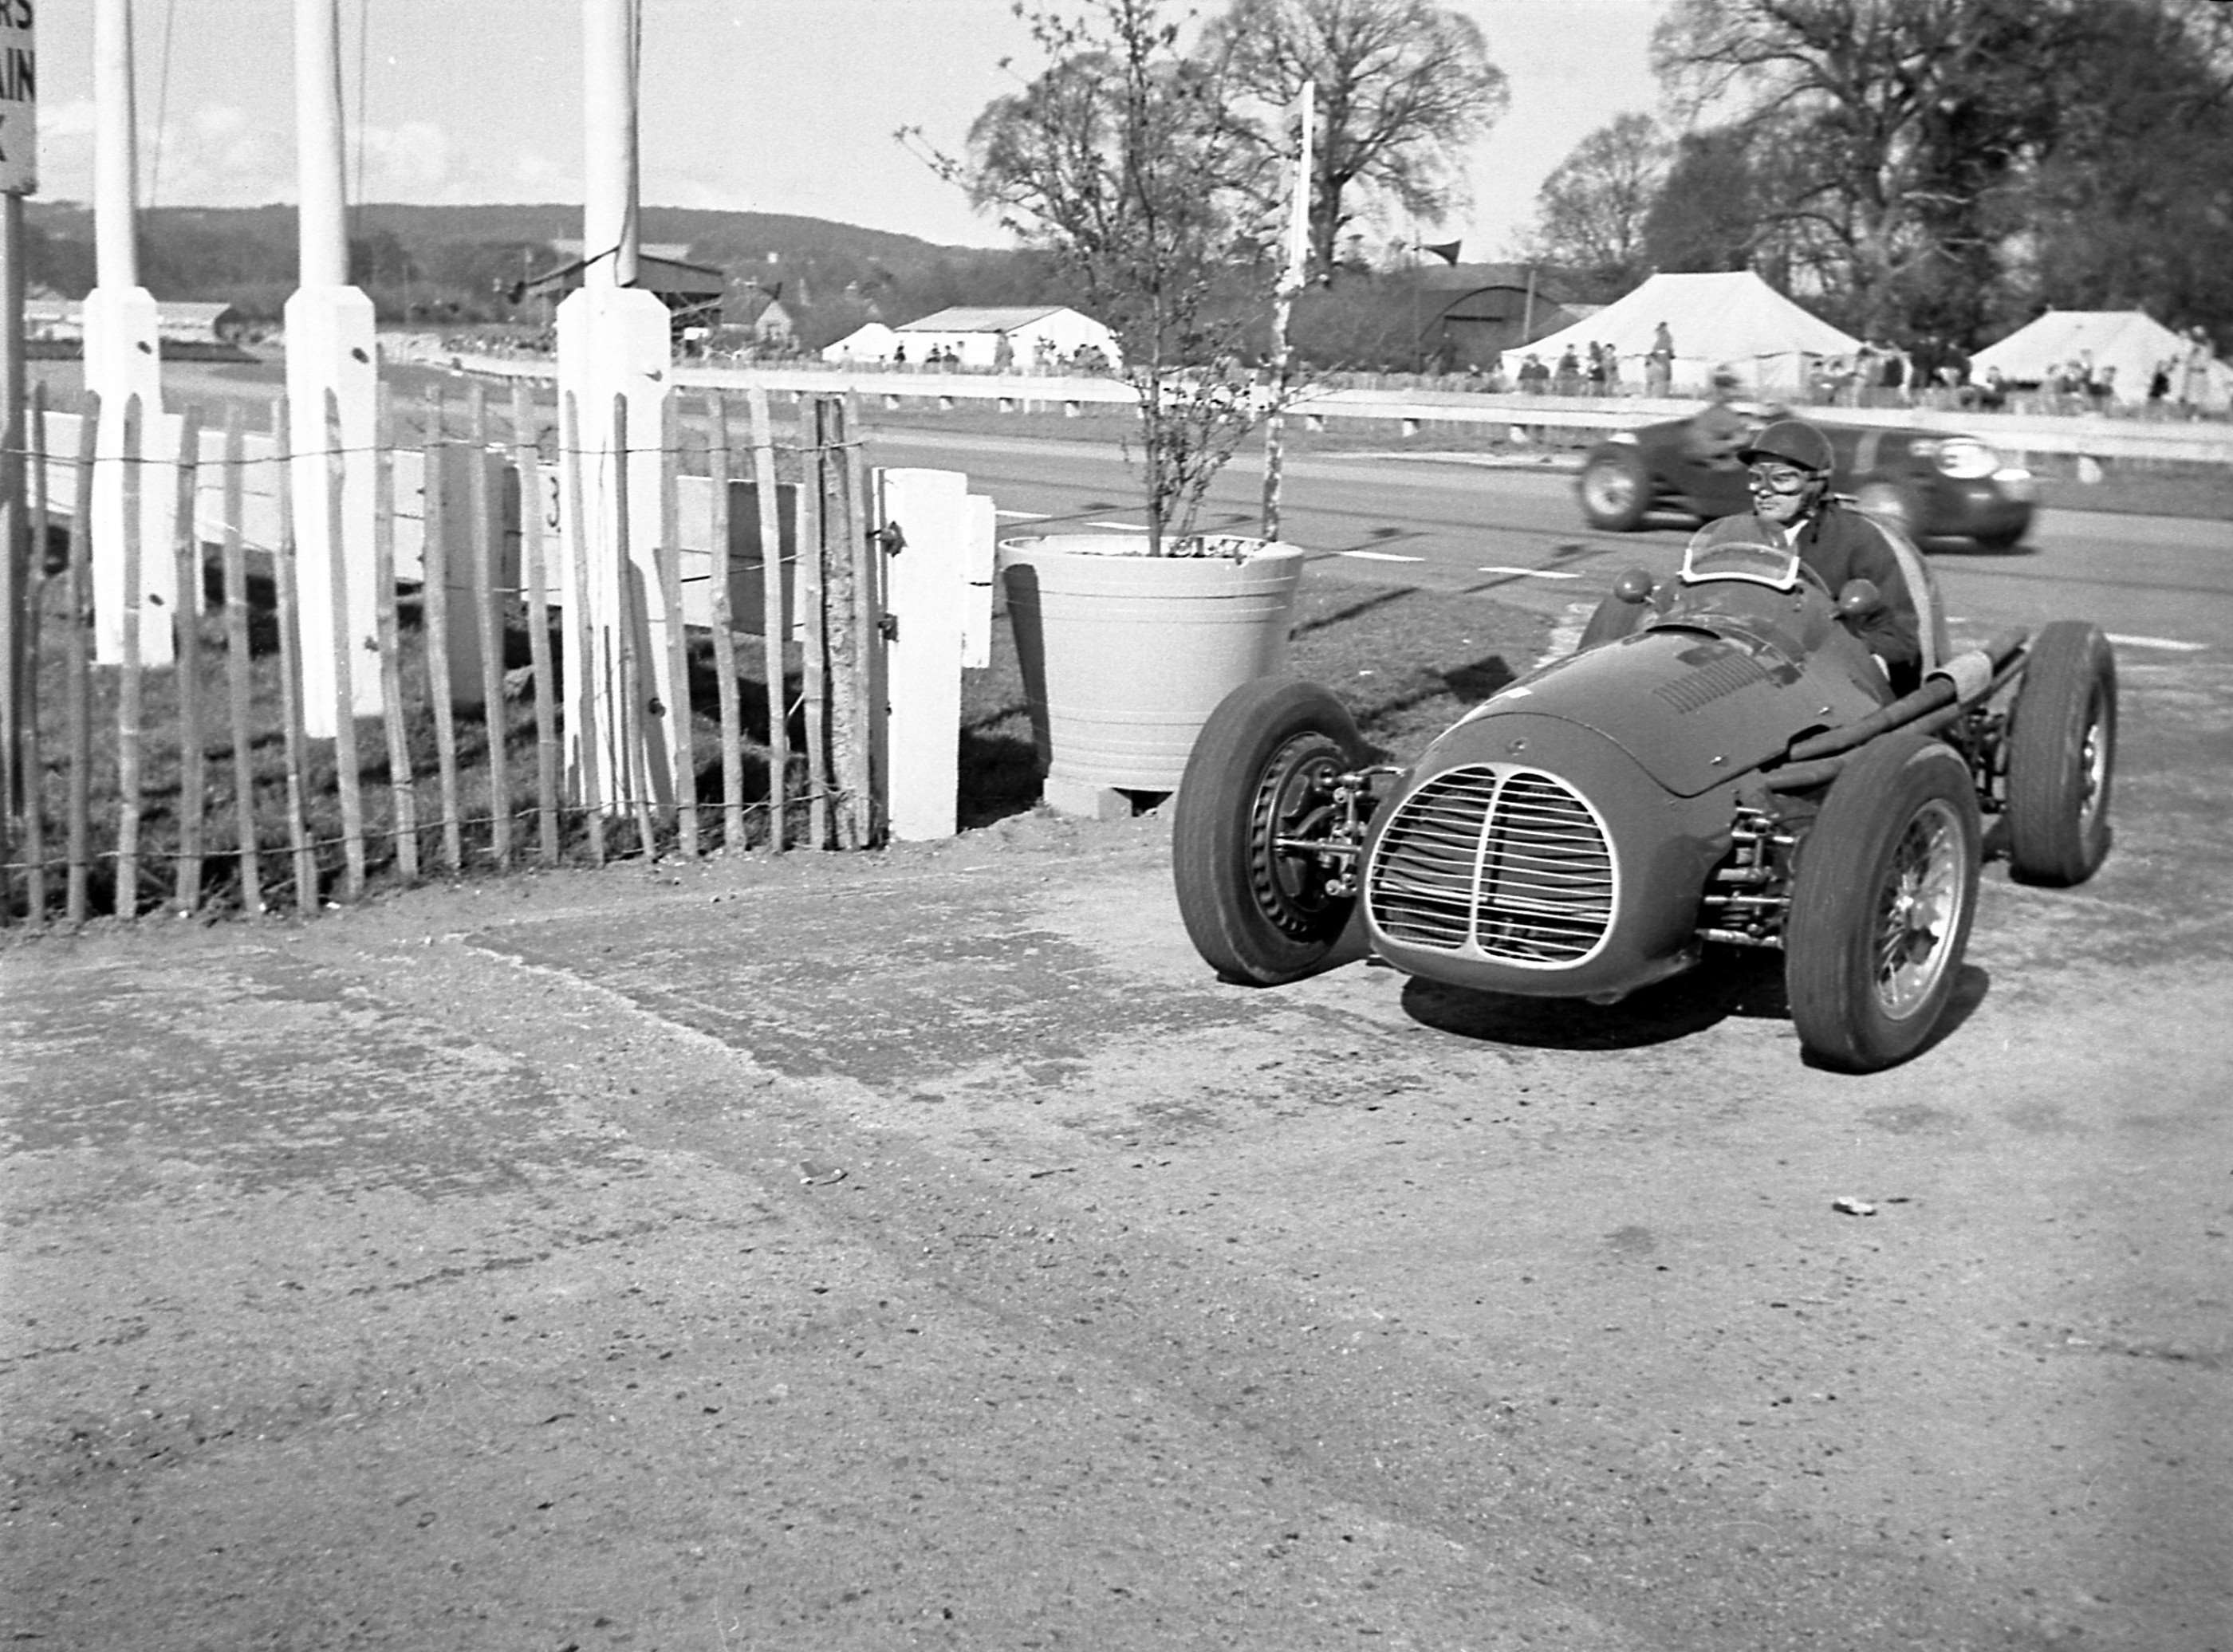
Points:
x=1496, y=862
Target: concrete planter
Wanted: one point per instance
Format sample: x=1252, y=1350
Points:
x=1124, y=655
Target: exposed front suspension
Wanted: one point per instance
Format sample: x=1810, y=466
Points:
x=1749, y=893
x=1350, y=801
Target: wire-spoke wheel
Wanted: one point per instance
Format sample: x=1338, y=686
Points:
x=1881, y=904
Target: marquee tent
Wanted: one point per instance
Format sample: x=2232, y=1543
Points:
x=2130, y=340
x=1734, y=320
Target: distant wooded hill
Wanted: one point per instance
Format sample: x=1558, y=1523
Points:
x=457, y=264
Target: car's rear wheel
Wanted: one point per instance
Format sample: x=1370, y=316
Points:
x=1258, y=791
x=1894, y=505
x=1881, y=905
x=1616, y=488
x=2063, y=749
x=1999, y=540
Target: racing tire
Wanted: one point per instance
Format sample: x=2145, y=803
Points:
x=1616, y=489
x=2062, y=756
x=1881, y=904
x=1893, y=506
x=1259, y=770
x=2000, y=542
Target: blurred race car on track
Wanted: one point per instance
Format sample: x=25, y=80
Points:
x=1925, y=483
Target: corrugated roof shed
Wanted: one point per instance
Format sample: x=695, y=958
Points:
x=963, y=318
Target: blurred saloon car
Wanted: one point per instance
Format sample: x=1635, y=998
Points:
x=1930, y=485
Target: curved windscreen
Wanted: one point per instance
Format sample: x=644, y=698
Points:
x=1739, y=556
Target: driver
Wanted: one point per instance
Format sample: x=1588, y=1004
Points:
x=1791, y=462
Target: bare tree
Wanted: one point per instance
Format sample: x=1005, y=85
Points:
x=1120, y=159
x=1403, y=87
x=1592, y=209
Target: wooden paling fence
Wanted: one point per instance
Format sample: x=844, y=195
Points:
x=195, y=785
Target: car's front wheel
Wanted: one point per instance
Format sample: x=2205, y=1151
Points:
x=1616, y=488
x=1882, y=903
x=1257, y=793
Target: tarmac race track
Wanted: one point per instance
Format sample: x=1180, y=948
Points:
x=920, y=1250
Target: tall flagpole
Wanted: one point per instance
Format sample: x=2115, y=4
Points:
x=614, y=354
x=332, y=377
x=1283, y=309
x=123, y=360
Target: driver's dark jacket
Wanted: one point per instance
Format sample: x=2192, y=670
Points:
x=1839, y=544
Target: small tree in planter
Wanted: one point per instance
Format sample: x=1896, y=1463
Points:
x=1120, y=158
x=1121, y=161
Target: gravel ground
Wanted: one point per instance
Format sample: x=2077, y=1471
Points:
x=919, y=1249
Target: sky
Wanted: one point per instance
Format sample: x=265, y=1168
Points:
x=774, y=106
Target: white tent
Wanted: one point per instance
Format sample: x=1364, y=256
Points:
x=1041, y=338
x=1734, y=320
x=2131, y=340
x=870, y=343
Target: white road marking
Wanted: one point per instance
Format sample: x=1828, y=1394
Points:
x=1022, y=516
x=1538, y=572
x=1381, y=557
x=2171, y=643
x=1125, y=527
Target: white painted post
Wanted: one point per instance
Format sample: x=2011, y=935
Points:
x=940, y=612
x=330, y=353
x=122, y=359
x=613, y=341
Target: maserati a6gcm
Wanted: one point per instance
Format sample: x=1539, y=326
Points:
x=1721, y=764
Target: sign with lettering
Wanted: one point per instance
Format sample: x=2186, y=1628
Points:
x=19, y=99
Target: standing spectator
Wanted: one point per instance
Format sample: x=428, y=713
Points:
x=1596, y=369
x=1954, y=370
x=1611, y=370
x=1866, y=369
x=1993, y=394
x=1534, y=377
x=899, y=353
x=1659, y=363
x=1893, y=376
x=2101, y=388
x=1570, y=373
x=2159, y=388
x=1003, y=354
x=2200, y=355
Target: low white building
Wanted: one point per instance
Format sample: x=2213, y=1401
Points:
x=1039, y=339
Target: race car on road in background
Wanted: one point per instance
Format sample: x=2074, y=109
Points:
x=1925, y=483
x=1722, y=765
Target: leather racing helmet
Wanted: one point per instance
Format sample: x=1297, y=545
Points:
x=1795, y=442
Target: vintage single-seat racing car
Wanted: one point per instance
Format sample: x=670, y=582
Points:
x=1721, y=764
x=1926, y=483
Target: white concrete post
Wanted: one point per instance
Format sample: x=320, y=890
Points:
x=332, y=375
x=938, y=586
x=122, y=359
x=613, y=342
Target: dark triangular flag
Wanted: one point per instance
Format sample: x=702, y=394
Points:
x=1448, y=253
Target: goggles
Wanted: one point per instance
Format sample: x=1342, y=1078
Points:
x=1779, y=478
